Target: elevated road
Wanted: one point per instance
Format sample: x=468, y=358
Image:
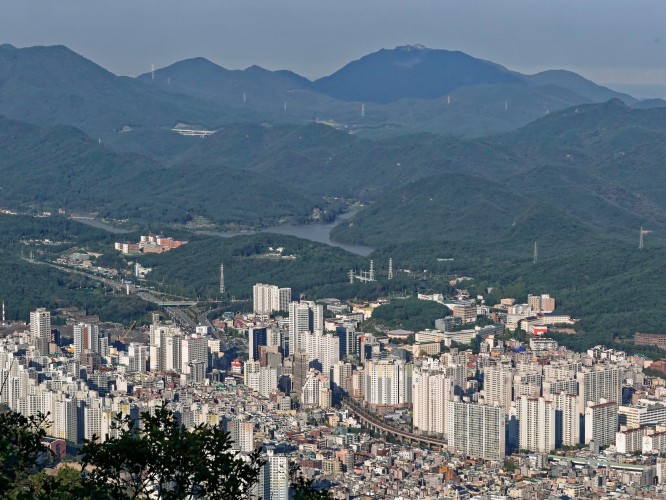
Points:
x=373, y=422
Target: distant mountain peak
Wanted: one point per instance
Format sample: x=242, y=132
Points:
x=411, y=48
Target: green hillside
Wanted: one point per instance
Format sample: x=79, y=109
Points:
x=59, y=167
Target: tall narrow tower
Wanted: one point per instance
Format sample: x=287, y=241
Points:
x=390, y=273
x=536, y=253
x=222, y=287
x=351, y=276
x=362, y=109
x=371, y=274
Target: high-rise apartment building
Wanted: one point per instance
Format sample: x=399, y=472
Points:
x=477, y=430
x=536, y=424
x=388, y=382
x=431, y=392
x=274, y=477
x=256, y=337
x=498, y=386
x=88, y=338
x=40, y=329
x=300, y=369
x=342, y=379
x=601, y=423
x=267, y=299
x=567, y=419
x=137, y=354
x=596, y=384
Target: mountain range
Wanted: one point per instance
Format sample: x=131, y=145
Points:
x=390, y=92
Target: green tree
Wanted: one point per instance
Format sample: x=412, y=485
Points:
x=162, y=456
x=21, y=449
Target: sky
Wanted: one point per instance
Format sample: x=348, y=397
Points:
x=615, y=42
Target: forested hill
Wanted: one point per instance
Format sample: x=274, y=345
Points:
x=60, y=167
x=388, y=93
x=599, y=166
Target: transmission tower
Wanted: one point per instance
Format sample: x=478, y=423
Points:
x=351, y=276
x=222, y=287
x=371, y=274
x=640, y=240
x=536, y=253
x=390, y=272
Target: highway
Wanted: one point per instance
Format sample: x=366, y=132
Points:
x=377, y=423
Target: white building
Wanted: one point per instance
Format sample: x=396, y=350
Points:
x=536, y=424
x=477, y=430
x=267, y=299
x=567, y=419
x=274, y=477
x=40, y=329
x=431, y=391
x=498, y=386
x=388, y=382
x=601, y=423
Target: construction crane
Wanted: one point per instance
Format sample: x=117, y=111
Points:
x=127, y=332
x=640, y=240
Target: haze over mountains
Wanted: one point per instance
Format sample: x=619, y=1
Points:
x=593, y=167
x=403, y=90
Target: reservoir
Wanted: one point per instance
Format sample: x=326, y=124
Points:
x=320, y=233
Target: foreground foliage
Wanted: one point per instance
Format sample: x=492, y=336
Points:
x=158, y=458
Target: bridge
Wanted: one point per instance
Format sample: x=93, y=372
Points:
x=373, y=422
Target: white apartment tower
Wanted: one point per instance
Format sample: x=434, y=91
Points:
x=601, y=423
x=597, y=384
x=536, y=424
x=301, y=322
x=431, y=392
x=40, y=329
x=498, y=386
x=477, y=430
x=267, y=299
x=274, y=477
x=388, y=382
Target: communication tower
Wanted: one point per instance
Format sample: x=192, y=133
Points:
x=362, y=109
x=222, y=288
x=640, y=240
x=390, y=272
x=152, y=71
x=536, y=253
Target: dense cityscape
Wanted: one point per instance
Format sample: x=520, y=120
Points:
x=457, y=411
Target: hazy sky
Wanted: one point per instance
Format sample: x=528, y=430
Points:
x=609, y=41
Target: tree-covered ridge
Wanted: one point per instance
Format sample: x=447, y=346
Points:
x=444, y=92
x=60, y=167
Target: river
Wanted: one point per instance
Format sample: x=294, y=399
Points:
x=320, y=233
